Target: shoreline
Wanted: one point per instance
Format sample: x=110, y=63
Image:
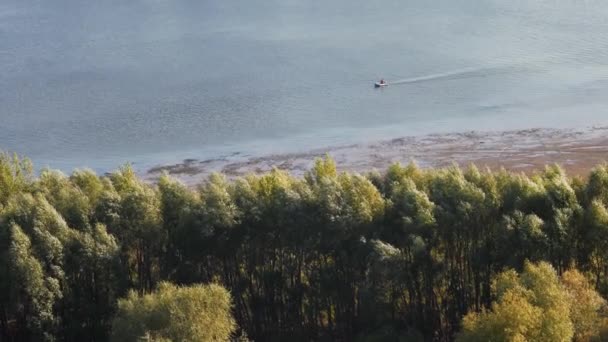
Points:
x=525, y=150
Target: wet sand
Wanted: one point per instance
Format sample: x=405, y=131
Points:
x=576, y=150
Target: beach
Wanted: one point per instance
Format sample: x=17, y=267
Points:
x=528, y=151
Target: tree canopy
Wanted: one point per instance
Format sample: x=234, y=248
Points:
x=171, y=313
x=406, y=254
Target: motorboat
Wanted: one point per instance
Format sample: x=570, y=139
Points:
x=380, y=84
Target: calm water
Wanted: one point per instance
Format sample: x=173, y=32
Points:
x=99, y=83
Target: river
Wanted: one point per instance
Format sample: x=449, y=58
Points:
x=100, y=83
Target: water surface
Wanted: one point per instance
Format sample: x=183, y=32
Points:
x=99, y=83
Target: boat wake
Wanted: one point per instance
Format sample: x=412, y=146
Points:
x=456, y=74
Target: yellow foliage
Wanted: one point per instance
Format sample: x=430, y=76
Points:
x=586, y=305
x=531, y=306
x=187, y=314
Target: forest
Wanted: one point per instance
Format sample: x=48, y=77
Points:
x=406, y=254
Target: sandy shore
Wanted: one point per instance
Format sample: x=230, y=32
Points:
x=577, y=150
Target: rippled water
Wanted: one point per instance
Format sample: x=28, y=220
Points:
x=99, y=83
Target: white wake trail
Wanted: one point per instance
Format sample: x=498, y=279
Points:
x=438, y=76
x=457, y=74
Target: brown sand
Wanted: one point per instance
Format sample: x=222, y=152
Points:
x=520, y=151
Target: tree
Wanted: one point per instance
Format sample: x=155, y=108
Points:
x=400, y=255
x=196, y=313
x=587, y=307
x=531, y=306
x=15, y=175
x=32, y=295
x=138, y=226
x=92, y=269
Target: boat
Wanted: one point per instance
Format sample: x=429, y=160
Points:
x=378, y=84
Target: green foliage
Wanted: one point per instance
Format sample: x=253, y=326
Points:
x=196, y=313
x=91, y=259
x=537, y=305
x=408, y=254
x=15, y=175
x=587, y=307
x=532, y=306
x=32, y=295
